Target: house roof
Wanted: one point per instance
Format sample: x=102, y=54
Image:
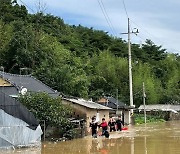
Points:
x=162, y=107
x=29, y=82
x=112, y=103
x=88, y=104
x=14, y=108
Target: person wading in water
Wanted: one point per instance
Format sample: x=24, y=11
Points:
x=93, y=126
x=119, y=124
x=112, y=124
x=104, y=127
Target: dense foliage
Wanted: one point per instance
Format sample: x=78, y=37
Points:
x=48, y=109
x=84, y=62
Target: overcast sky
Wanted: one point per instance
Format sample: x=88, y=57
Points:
x=156, y=20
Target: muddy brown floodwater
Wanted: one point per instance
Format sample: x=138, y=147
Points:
x=156, y=138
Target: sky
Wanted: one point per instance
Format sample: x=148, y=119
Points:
x=155, y=20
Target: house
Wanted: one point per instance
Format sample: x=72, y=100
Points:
x=18, y=126
x=168, y=111
x=83, y=109
x=13, y=84
x=119, y=108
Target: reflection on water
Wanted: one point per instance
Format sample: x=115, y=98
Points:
x=34, y=150
x=162, y=138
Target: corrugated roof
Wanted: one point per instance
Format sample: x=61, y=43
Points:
x=163, y=107
x=29, y=82
x=88, y=104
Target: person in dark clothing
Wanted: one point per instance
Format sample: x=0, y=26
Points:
x=112, y=124
x=104, y=127
x=94, y=125
x=119, y=124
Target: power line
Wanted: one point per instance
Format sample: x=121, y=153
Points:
x=125, y=8
x=27, y=6
x=150, y=34
x=106, y=15
x=161, y=42
x=38, y=18
x=145, y=30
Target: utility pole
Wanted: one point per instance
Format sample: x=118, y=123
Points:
x=130, y=67
x=117, y=103
x=130, y=63
x=144, y=103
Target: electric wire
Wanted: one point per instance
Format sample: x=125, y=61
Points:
x=124, y=5
x=161, y=42
x=153, y=36
x=27, y=6
x=38, y=18
x=108, y=17
x=105, y=15
x=108, y=20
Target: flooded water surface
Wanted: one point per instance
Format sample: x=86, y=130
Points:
x=160, y=138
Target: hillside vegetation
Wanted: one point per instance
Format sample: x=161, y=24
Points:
x=84, y=62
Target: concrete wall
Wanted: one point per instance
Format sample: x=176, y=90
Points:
x=127, y=118
x=99, y=113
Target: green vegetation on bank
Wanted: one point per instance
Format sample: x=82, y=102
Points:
x=84, y=62
x=139, y=119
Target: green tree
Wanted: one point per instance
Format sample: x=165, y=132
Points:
x=10, y=11
x=110, y=73
x=170, y=78
x=143, y=73
x=49, y=109
x=153, y=52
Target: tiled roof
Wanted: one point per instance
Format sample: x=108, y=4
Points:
x=29, y=82
x=88, y=104
x=112, y=103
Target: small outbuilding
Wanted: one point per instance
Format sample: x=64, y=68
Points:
x=168, y=111
x=83, y=109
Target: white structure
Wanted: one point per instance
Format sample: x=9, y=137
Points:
x=18, y=127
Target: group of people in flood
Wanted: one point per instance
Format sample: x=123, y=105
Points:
x=111, y=125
